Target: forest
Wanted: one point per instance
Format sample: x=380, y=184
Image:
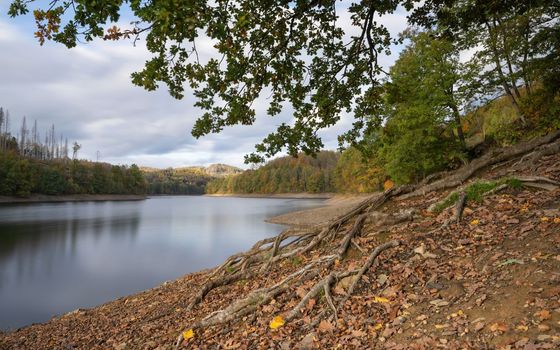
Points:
x=187, y=180
x=31, y=166
x=283, y=175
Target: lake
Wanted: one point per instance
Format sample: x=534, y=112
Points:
x=57, y=257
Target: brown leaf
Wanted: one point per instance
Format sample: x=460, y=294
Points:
x=310, y=304
x=359, y=333
x=388, y=332
x=301, y=292
x=543, y=315
x=230, y=345
x=307, y=342
x=338, y=290
x=325, y=326
x=499, y=327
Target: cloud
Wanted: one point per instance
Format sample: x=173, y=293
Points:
x=87, y=94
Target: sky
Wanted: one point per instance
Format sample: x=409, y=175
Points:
x=86, y=92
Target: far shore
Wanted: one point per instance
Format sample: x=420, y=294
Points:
x=42, y=198
x=302, y=195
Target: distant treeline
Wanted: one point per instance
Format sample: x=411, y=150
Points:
x=187, y=180
x=190, y=181
x=21, y=177
x=29, y=165
x=283, y=175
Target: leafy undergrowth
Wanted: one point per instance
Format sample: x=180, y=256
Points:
x=491, y=281
x=476, y=191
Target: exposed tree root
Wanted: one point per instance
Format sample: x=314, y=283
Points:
x=351, y=234
x=266, y=253
x=357, y=276
x=378, y=219
x=257, y=298
x=496, y=156
x=539, y=182
x=530, y=160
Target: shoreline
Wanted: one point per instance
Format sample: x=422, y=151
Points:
x=43, y=198
x=332, y=207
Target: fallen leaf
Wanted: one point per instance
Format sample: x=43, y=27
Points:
x=310, y=304
x=439, y=302
x=499, y=327
x=380, y=300
x=359, y=333
x=478, y=326
x=307, y=342
x=188, y=334
x=475, y=222
x=377, y=327
x=543, y=315
x=382, y=279
x=231, y=344
x=388, y=332
x=276, y=322
x=325, y=326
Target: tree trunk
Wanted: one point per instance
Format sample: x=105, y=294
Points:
x=501, y=76
x=457, y=118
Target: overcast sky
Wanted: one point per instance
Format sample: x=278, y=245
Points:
x=87, y=94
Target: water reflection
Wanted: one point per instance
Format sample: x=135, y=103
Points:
x=57, y=257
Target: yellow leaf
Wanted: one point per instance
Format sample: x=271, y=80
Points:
x=388, y=184
x=378, y=326
x=557, y=220
x=441, y=326
x=522, y=328
x=188, y=334
x=544, y=219
x=380, y=300
x=475, y=222
x=276, y=322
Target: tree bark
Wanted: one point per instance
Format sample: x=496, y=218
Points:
x=502, y=78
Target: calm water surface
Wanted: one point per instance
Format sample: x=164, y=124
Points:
x=55, y=258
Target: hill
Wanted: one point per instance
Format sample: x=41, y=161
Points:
x=185, y=180
x=283, y=175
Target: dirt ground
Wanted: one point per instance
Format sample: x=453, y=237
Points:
x=334, y=207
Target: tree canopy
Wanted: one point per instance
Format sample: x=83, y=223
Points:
x=300, y=55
